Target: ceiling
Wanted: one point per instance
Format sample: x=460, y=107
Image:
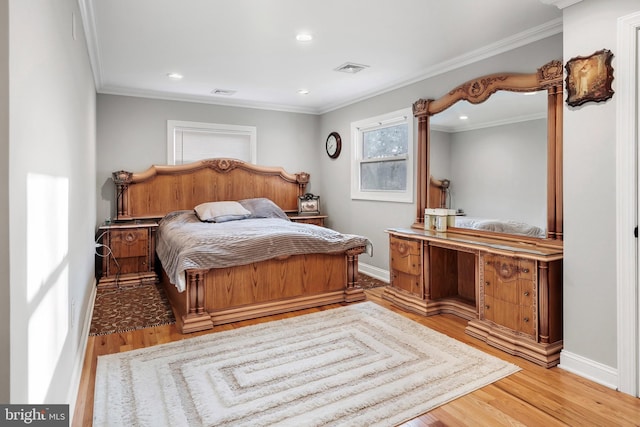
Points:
x=249, y=47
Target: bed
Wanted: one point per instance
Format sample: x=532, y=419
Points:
x=270, y=273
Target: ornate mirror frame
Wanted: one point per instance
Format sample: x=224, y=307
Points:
x=547, y=77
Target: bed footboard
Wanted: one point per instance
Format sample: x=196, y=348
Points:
x=224, y=295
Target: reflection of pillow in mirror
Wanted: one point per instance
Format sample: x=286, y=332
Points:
x=261, y=207
x=221, y=211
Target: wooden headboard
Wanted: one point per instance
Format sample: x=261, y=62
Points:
x=163, y=189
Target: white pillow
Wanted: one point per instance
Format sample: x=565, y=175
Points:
x=221, y=211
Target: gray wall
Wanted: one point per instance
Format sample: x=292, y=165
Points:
x=590, y=311
x=132, y=136
x=500, y=172
x=5, y=362
x=51, y=198
x=440, y=153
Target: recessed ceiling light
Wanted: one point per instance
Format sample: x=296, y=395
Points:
x=304, y=37
x=303, y=92
x=463, y=117
x=175, y=76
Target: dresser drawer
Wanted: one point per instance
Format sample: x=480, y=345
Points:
x=406, y=255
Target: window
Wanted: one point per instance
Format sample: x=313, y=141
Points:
x=382, y=158
x=191, y=141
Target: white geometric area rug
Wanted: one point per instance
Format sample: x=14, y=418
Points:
x=360, y=365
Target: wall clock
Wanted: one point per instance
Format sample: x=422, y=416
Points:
x=333, y=145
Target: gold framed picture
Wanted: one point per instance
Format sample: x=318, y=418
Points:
x=589, y=78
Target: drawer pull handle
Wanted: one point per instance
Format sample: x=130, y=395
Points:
x=487, y=283
x=526, y=294
x=525, y=270
x=526, y=320
x=487, y=306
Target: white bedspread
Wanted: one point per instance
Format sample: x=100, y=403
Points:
x=500, y=226
x=184, y=242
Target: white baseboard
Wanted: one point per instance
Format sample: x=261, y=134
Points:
x=375, y=272
x=589, y=369
x=79, y=359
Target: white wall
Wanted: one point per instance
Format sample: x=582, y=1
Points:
x=51, y=198
x=132, y=136
x=371, y=218
x=589, y=194
x=5, y=355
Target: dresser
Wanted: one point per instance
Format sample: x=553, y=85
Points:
x=509, y=291
x=126, y=254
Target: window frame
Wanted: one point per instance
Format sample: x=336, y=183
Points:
x=174, y=126
x=378, y=122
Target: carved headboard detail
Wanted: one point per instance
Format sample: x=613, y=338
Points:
x=163, y=189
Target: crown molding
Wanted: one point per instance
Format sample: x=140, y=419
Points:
x=89, y=25
x=502, y=122
x=166, y=96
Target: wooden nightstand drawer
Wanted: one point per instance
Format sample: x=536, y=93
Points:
x=129, y=243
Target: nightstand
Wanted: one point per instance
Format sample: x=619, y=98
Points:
x=127, y=252
x=309, y=219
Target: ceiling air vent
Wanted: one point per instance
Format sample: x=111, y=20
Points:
x=351, y=68
x=223, y=92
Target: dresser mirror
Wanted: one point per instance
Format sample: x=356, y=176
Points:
x=502, y=166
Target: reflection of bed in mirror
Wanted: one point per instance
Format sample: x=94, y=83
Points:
x=440, y=197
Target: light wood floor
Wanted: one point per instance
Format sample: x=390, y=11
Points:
x=532, y=397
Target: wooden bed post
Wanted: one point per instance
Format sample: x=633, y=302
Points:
x=196, y=317
x=303, y=179
x=122, y=179
x=353, y=293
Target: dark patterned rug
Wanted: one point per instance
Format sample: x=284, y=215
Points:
x=145, y=306
x=368, y=282
x=131, y=308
